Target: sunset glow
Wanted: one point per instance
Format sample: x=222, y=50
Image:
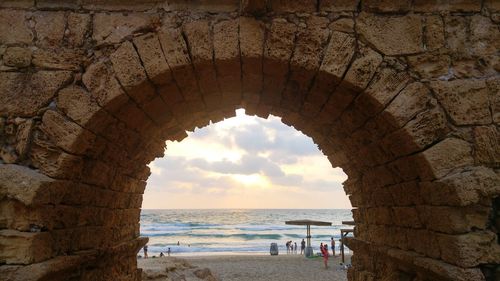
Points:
x=244, y=162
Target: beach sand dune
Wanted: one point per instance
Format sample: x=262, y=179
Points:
x=243, y=268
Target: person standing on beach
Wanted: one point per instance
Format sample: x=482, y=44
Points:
x=295, y=249
x=324, y=251
x=145, y=251
x=168, y=252
x=302, y=246
x=333, y=246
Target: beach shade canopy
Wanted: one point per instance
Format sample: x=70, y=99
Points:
x=308, y=223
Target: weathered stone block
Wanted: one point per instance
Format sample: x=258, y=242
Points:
x=345, y=25
x=157, y=110
x=17, y=57
x=446, y=156
x=408, y=103
x=23, y=137
x=494, y=88
x=466, y=101
x=62, y=60
x=427, y=127
x=227, y=60
x=53, y=162
x=131, y=74
x=448, y=271
x=78, y=28
x=379, y=215
x=200, y=43
x=362, y=68
x=338, y=54
x=14, y=27
x=386, y=6
x=55, y=4
x=104, y=87
x=454, y=220
x=24, y=247
x=251, y=48
x=484, y=35
x=79, y=105
x=392, y=35
x=407, y=217
x=149, y=49
x=283, y=6
x=456, y=35
x=66, y=134
x=405, y=194
x=377, y=177
x=177, y=56
x=278, y=49
x=26, y=93
x=50, y=27
x=386, y=84
x=423, y=242
x=112, y=28
x=430, y=65
x=58, y=266
x=471, y=249
x=29, y=186
x=253, y=6
x=448, y=5
x=338, y=5
x=487, y=145
x=17, y=4
x=305, y=61
x=434, y=32
x=462, y=188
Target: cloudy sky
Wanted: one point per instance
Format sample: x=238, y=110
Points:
x=244, y=162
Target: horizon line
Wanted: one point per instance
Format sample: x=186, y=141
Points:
x=246, y=208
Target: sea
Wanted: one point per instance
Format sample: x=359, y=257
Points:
x=236, y=231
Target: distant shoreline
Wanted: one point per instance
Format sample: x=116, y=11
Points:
x=208, y=209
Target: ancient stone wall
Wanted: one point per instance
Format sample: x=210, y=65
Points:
x=403, y=95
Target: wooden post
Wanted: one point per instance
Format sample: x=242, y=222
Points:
x=342, y=245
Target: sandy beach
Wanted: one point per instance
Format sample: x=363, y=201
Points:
x=242, y=268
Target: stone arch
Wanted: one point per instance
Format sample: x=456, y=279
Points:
x=402, y=134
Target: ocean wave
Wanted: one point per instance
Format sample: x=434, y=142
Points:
x=244, y=236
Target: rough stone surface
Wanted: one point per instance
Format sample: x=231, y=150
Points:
x=104, y=87
x=78, y=28
x=15, y=28
x=17, y=57
x=447, y=155
x=466, y=101
x=50, y=27
x=61, y=60
x=23, y=247
x=487, y=145
x=392, y=35
x=28, y=186
x=403, y=95
x=113, y=28
x=26, y=93
x=66, y=134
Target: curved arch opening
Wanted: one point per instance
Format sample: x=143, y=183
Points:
x=244, y=162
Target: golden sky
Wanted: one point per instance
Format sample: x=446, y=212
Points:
x=244, y=162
